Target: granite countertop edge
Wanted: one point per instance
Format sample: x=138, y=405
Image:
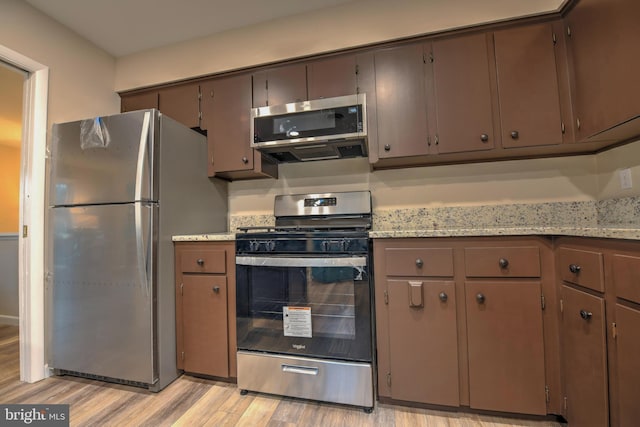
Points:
x=599, y=232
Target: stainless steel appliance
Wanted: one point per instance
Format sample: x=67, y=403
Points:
x=328, y=128
x=304, y=300
x=119, y=188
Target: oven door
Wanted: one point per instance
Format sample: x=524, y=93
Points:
x=302, y=305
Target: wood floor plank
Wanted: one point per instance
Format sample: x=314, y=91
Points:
x=197, y=402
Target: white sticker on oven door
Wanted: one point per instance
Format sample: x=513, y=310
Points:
x=297, y=321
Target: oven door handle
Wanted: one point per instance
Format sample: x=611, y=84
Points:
x=271, y=261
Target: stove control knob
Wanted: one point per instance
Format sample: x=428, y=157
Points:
x=271, y=245
x=344, y=244
x=254, y=245
x=324, y=245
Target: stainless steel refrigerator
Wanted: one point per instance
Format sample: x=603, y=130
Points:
x=120, y=187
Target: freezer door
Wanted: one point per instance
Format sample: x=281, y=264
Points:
x=103, y=160
x=101, y=291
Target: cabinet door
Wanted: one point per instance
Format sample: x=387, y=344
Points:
x=463, y=94
x=181, y=103
x=506, y=347
x=332, y=77
x=528, y=86
x=204, y=328
x=226, y=110
x=628, y=364
x=423, y=342
x=401, y=102
x=584, y=358
x=139, y=101
x=281, y=85
x=603, y=44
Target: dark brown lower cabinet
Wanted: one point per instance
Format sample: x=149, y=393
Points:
x=584, y=358
x=506, y=346
x=423, y=339
x=205, y=308
x=204, y=317
x=460, y=322
x=627, y=350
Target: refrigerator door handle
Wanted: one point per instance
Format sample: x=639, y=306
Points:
x=142, y=151
x=140, y=247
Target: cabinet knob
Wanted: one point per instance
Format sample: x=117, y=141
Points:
x=514, y=134
x=503, y=263
x=200, y=262
x=575, y=268
x=419, y=263
x=387, y=147
x=245, y=160
x=586, y=315
x=443, y=297
x=484, y=137
x=216, y=289
x=480, y=298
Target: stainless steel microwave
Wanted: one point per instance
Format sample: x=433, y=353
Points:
x=321, y=129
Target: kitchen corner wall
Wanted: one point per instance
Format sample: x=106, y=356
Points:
x=81, y=76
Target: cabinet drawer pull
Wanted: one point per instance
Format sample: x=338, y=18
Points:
x=443, y=297
x=216, y=289
x=586, y=315
x=200, y=262
x=503, y=263
x=419, y=263
x=515, y=134
x=575, y=268
x=484, y=137
x=480, y=298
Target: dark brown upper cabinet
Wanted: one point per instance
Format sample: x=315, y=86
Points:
x=282, y=85
x=226, y=115
x=463, y=94
x=603, y=45
x=401, y=101
x=528, y=86
x=139, y=101
x=181, y=103
x=334, y=76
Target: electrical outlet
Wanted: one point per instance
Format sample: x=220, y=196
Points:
x=625, y=179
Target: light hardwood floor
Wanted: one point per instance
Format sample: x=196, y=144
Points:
x=191, y=402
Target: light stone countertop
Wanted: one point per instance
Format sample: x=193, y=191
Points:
x=219, y=237
x=600, y=232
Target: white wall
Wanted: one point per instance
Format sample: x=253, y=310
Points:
x=519, y=181
x=81, y=76
x=609, y=165
x=356, y=23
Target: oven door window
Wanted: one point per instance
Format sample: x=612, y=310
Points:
x=317, y=307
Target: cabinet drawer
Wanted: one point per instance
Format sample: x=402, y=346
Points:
x=207, y=261
x=584, y=268
x=432, y=262
x=626, y=277
x=502, y=262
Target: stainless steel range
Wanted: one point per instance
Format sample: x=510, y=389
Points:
x=304, y=300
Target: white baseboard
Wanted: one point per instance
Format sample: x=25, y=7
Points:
x=9, y=320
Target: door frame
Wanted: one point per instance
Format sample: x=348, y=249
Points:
x=32, y=216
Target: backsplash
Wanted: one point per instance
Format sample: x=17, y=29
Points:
x=581, y=214
x=622, y=213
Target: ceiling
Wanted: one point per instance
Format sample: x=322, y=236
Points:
x=122, y=27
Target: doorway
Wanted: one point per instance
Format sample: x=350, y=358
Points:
x=31, y=214
x=12, y=87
